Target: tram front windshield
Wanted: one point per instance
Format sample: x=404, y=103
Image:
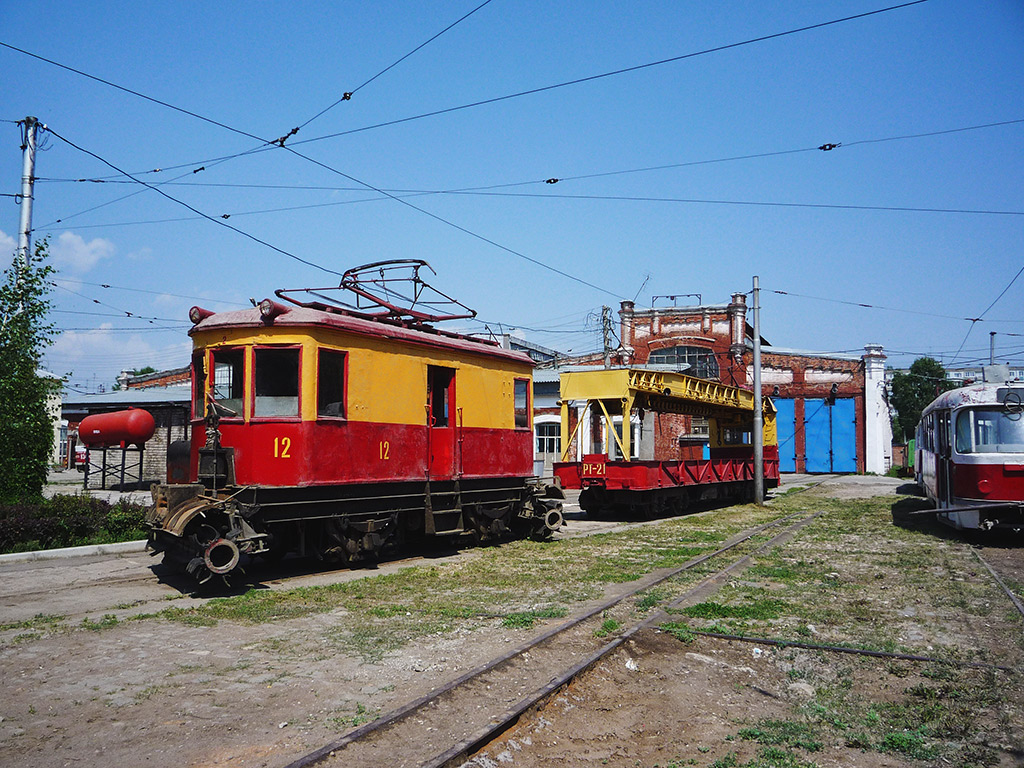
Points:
x=989, y=430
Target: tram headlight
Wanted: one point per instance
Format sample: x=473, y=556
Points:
x=198, y=314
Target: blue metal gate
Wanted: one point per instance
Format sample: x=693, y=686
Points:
x=830, y=435
x=785, y=424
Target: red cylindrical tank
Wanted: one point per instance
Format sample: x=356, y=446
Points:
x=134, y=426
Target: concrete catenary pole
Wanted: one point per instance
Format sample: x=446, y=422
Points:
x=758, y=435
x=28, y=149
x=991, y=347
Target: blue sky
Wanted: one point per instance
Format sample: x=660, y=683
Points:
x=700, y=227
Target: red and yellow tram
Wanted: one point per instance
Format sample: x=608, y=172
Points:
x=322, y=429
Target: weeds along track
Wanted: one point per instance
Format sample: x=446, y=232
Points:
x=462, y=716
x=1017, y=604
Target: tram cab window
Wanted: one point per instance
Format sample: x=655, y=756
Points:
x=522, y=403
x=228, y=381
x=989, y=430
x=198, y=385
x=276, y=377
x=330, y=386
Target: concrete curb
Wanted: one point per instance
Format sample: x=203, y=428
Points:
x=119, y=548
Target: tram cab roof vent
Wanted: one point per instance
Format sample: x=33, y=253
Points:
x=995, y=374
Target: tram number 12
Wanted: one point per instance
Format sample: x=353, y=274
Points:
x=385, y=449
x=282, y=447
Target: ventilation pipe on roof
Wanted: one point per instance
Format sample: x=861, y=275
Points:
x=626, y=330
x=738, y=325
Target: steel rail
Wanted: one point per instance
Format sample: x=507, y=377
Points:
x=407, y=709
x=1009, y=593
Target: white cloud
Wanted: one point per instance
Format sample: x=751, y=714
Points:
x=73, y=252
x=99, y=355
x=8, y=245
x=143, y=254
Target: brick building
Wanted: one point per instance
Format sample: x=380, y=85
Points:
x=832, y=411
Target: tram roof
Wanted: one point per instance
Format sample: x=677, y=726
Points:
x=304, y=317
x=977, y=394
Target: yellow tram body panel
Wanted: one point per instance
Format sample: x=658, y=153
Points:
x=384, y=377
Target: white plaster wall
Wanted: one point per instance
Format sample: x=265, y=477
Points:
x=818, y=376
x=771, y=375
x=878, y=426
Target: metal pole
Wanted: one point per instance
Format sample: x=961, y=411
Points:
x=606, y=330
x=27, y=182
x=991, y=347
x=758, y=416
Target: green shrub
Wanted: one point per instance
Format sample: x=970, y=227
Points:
x=68, y=521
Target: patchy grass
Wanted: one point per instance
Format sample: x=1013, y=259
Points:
x=608, y=627
x=783, y=732
x=651, y=597
x=107, y=621
x=41, y=621
x=361, y=716
x=492, y=585
x=767, y=608
x=526, y=619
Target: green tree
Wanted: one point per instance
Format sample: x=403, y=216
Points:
x=912, y=391
x=26, y=435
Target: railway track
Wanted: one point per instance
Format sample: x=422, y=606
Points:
x=458, y=718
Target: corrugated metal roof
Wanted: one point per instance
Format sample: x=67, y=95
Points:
x=181, y=394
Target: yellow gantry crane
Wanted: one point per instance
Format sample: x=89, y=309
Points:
x=617, y=391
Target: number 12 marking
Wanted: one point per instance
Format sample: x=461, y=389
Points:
x=282, y=446
x=385, y=447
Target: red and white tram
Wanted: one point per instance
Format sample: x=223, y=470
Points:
x=970, y=456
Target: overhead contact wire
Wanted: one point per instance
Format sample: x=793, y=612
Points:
x=219, y=222
x=624, y=70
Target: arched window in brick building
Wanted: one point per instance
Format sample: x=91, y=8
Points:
x=695, y=361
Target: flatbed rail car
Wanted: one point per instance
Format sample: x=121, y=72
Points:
x=335, y=431
x=655, y=487
x=970, y=456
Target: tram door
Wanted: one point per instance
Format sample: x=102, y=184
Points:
x=943, y=481
x=441, y=422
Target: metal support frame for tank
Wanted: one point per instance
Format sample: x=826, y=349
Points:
x=119, y=472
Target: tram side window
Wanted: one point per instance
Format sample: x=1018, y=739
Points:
x=330, y=393
x=522, y=403
x=277, y=382
x=228, y=380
